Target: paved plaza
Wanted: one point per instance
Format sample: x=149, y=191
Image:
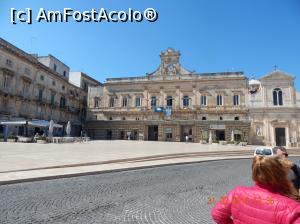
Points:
x=20, y=161
x=175, y=194
x=18, y=156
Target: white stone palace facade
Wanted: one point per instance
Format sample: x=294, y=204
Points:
x=169, y=104
x=174, y=104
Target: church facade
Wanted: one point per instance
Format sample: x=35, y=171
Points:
x=274, y=110
x=174, y=104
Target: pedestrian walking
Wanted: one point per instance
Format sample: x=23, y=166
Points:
x=294, y=172
x=272, y=200
x=186, y=138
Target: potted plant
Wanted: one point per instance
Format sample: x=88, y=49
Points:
x=215, y=142
x=203, y=140
x=41, y=140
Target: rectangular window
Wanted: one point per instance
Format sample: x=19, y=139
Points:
x=236, y=100
x=42, y=77
x=219, y=100
x=6, y=81
x=62, y=102
x=124, y=102
x=26, y=86
x=153, y=101
x=111, y=102
x=203, y=100
x=186, y=101
x=169, y=101
x=138, y=101
x=9, y=63
x=52, y=99
x=40, y=94
x=54, y=67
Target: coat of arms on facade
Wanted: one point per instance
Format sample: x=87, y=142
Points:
x=170, y=66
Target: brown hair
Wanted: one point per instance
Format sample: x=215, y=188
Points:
x=272, y=173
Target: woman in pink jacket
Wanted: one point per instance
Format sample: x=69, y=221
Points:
x=272, y=200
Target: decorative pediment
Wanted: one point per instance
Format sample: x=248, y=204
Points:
x=277, y=75
x=7, y=71
x=26, y=78
x=170, y=65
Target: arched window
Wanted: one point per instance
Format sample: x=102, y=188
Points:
x=277, y=97
x=186, y=101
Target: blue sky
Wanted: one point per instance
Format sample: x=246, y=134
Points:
x=212, y=36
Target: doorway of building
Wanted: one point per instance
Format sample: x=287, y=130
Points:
x=220, y=135
x=109, y=135
x=237, y=137
x=122, y=135
x=135, y=135
x=153, y=133
x=186, y=133
x=280, y=137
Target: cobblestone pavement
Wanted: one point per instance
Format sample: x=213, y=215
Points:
x=170, y=194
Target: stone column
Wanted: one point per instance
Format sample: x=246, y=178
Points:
x=194, y=98
x=266, y=132
x=160, y=132
x=195, y=134
x=287, y=136
x=292, y=95
x=178, y=133
x=272, y=135
x=180, y=100
x=145, y=100
x=177, y=98
x=162, y=97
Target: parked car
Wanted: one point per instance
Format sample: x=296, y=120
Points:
x=264, y=151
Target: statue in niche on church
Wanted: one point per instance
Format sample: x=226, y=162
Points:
x=258, y=131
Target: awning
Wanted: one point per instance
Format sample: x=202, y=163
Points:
x=34, y=123
x=23, y=122
x=42, y=123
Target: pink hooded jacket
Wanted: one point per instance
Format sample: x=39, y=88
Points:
x=256, y=205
